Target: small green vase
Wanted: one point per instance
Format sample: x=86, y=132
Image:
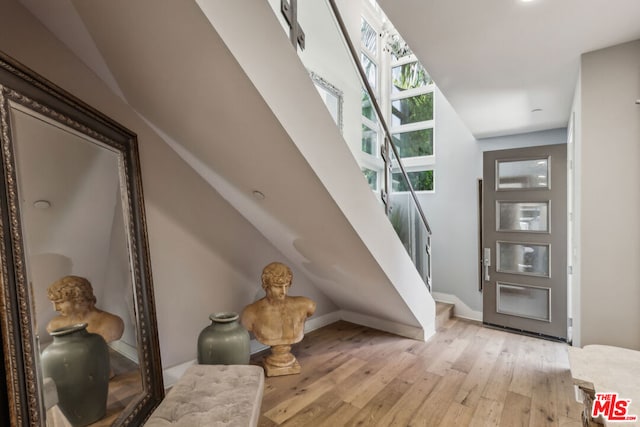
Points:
x=224, y=342
x=78, y=363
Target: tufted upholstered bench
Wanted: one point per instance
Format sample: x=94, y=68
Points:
x=212, y=395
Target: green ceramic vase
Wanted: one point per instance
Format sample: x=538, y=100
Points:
x=224, y=342
x=78, y=363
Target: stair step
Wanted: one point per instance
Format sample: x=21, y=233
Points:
x=444, y=312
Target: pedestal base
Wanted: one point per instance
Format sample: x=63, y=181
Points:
x=281, y=362
x=276, y=371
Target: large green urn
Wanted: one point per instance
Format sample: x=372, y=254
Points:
x=224, y=342
x=78, y=363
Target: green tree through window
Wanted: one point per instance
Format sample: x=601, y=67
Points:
x=420, y=181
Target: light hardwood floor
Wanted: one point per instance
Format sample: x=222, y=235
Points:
x=465, y=375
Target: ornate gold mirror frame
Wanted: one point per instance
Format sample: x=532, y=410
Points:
x=23, y=89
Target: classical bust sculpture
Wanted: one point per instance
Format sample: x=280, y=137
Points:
x=277, y=320
x=72, y=297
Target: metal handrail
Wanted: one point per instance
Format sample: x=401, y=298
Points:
x=374, y=102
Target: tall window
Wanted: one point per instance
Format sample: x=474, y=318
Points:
x=411, y=117
x=370, y=58
x=405, y=93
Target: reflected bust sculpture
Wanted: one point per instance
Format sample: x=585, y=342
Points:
x=72, y=297
x=277, y=320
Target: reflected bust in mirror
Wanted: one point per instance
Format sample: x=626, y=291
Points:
x=72, y=297
x=278, y=320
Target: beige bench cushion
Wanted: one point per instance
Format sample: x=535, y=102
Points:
x=212, y=395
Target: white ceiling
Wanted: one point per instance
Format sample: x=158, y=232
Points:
x=497, y=60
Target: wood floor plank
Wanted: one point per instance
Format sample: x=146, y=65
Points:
x=456, y=415
x=517, y=411
x=265, y=422
x=447, y=356
x=402, y=412
x=435, y=406
x=318, y=410
x=469, y=356
x=313, y=369
x=487, y=413
x=501, y=374
x=478, y=376
x=544, y=401
x=359, y=393
x=523, y=379
x=303, y=397
x=377, y=407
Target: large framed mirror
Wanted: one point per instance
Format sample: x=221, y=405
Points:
x=74, y=257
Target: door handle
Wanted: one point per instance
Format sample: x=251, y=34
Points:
x=486, y=262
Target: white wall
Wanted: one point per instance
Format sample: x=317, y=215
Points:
x=608, y=199
x=452, y=209
x=203, y=260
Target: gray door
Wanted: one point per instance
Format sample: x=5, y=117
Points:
x=525, y=240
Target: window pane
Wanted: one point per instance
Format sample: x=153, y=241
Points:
x=397, y=46
x=524, y=301
x=420, y=181
x=372, y=178
x=515, y=174
x=523, y=216
x=413, y=109
x=369, y=140
x=368, y=36
x=415, y=143
x=370, y=69
x=367, y=108
x=408, y=76
x=523, y=258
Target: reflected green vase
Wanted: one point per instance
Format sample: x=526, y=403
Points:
x=78, y=363
x=224, y=342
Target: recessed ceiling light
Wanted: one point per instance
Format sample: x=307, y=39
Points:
x=535, y=110
x=258, y=195
x=42, y=204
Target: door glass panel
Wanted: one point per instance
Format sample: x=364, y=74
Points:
x=523, y=258
x=519, y=174
x=524, y=301
x=522, y=216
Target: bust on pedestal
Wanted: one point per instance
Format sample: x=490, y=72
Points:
x=277, y=320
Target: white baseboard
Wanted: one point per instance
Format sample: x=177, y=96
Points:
x=384, y=325
x=318, y=322
x=128, y=351
x=461, y=309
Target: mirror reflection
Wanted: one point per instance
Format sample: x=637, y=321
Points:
x=76, y=248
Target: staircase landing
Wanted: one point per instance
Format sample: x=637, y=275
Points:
x=444, y=312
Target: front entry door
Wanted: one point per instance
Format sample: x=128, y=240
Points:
x=525, y=240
